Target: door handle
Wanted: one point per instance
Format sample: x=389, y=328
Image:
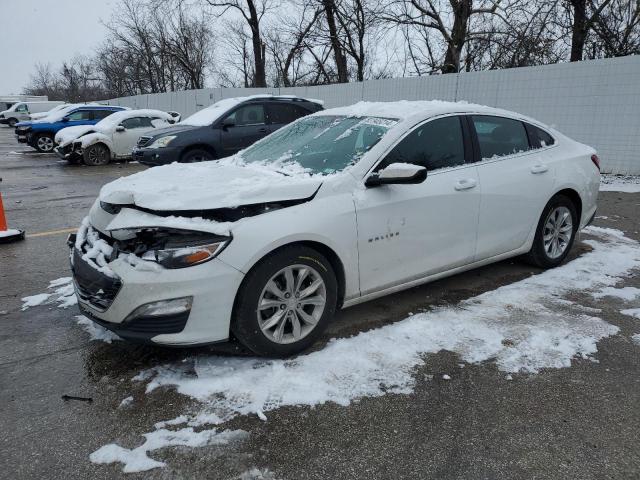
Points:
x=465, y=184
x=540, y=168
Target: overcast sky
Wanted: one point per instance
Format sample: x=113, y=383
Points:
x=41, y=31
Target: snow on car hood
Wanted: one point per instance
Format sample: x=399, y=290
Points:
x=69, y=134
x=208, y=185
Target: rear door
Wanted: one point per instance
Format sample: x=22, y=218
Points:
x=282, y=113
x=249, y=126
x=516, y=182
x=406, y=232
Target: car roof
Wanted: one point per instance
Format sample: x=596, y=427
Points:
x=280, y=98
x=413, y=111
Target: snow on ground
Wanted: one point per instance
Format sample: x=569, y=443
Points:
x=625, y=293
x=620, y=183
x=636, y=338
x=9, y=233
x=64, y=295
x=523, y=327
x=136, y=460
x=632, y=312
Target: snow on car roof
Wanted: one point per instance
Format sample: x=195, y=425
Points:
x=210, y=114
x=116, y=118
x=411, y=109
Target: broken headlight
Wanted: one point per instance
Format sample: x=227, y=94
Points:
x=186, y=249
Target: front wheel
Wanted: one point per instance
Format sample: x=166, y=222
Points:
x=97, y=155
x=196, y=155
x=44, y=143
x=555, y=233
x=12, y=122
x=285, y=302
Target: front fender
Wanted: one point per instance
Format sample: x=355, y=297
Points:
x=93, y=138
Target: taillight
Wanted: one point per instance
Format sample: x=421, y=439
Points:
x=596, y=161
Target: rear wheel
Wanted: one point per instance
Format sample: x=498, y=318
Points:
x=555, y=233
x=196, y=155
x=285, y=302
x=97, y=155
x=44, y=143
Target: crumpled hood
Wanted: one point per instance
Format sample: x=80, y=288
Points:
x=207, y=185
x=69, y=134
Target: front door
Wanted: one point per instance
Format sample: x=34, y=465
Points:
x=406, y=232
x=248, y=127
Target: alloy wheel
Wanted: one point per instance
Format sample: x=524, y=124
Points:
x=45, y=144
x=558, y=230
x=291, y=304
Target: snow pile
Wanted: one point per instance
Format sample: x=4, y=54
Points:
x=523, y=327
x=137, y=460
x=636, y=338
x=625, y=293
x=208, y=185
x=9, y=233
x=632, y=312
x=620, y=183
x=64, y=295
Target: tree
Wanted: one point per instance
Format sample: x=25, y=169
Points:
x=252, y=12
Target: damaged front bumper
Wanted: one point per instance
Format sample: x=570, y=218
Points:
x=182, y=307
x=71, y=151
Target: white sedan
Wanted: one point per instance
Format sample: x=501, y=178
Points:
x=111, y=138
x=337, y=208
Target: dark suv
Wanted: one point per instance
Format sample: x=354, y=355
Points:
x=222, y=129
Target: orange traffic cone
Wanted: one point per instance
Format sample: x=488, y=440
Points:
x=8, y=235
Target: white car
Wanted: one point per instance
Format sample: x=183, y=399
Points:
x=337, y=208
x=41, y=115
x=111, y=138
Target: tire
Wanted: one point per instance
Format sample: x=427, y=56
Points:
x=44, y=143
x=550, y=245
x=96, y=155
x=12, y=122
x=197, y=155
x=251, y=325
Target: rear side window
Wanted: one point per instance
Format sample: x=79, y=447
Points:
x=434, y=145
x=100, y=114
x=499, y=136
x=283, y=113
x=538, y=137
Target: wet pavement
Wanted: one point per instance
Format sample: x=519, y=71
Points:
x=579, y=422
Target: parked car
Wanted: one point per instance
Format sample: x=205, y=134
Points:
x=222, y=129
x=20, y=111
x=340, y=207
x=111, y=138
x=41, y=115
x=40, y=134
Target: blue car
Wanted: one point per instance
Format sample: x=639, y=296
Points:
x=40, y=134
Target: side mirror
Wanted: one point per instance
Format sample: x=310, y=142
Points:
x=119, y=128
x=228, y=122
x=397, y=174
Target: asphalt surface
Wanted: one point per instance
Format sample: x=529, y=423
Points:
x=579, y=422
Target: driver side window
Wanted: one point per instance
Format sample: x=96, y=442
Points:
x=22, y=108
x=436, y=144
x=248, y=115
x=79, y=115
x=136, y=122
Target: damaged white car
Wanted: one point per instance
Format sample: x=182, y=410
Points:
x=337, y=208
x=111, y=138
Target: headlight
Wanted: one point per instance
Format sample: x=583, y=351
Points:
x=186, y=250
x=162, y=142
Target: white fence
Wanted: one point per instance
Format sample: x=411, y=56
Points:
x=596, y=102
